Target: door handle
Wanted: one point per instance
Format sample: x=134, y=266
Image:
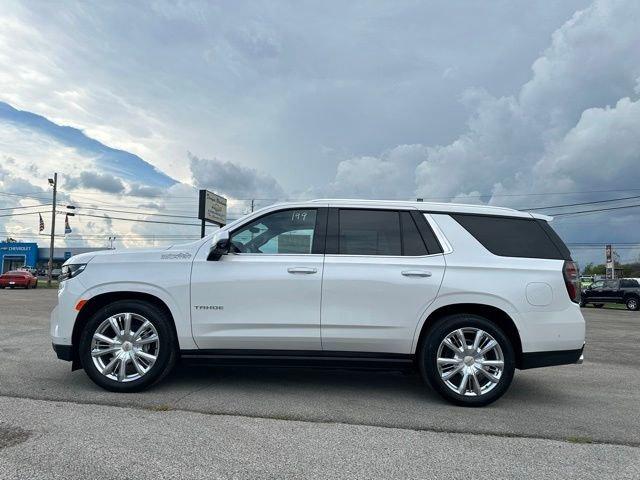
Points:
x=416, y=273
x=305, y=270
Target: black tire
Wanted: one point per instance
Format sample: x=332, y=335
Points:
x=598, y=305
x=583, y=304
x=429, y=350
x=167, y=353
x=632, y=302
x=35, y=285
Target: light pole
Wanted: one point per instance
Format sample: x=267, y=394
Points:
x=54, y=183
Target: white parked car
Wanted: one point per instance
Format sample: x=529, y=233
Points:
x=465, y=293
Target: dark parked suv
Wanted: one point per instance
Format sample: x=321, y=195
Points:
x=624, y=290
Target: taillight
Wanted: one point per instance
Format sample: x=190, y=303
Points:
x=572, y=280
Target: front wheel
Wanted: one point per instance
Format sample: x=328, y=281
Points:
x=632, y=303
x=127, y=346
x=468, y=360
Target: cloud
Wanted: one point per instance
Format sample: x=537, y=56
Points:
x=126, y=165
x=575, y=112
x=233, y=180
x=138, y=190
x=98, y=181
x=271, y=87
x=12, y=188
x=390, y=176
x=531, y=140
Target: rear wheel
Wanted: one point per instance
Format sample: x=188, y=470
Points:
x=632, y=303
x=598, y=305
x=127, y=346
x=468, y=360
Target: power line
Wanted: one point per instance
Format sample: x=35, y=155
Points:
x=136, y=220
x=137, y=213
x=74, y=236
x=581, y=203
x=595, y=210
x=19, y=214
x=602, y=243
x=22, y=195
x=29, y=206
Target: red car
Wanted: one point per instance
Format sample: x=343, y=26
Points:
x=18, y=278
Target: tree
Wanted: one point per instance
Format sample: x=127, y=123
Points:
x=591, y=269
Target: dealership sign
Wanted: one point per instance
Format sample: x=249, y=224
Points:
x=16, y=248
x=212, y=208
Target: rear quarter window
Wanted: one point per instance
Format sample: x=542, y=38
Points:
x=515, y=237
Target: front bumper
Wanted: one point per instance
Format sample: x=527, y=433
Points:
x=64, y=314
x=549, y=359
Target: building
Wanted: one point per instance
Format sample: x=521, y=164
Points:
x=14, y=255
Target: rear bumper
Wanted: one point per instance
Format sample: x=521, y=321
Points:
x=63, y=352
x=549, y=359
x=16, y=283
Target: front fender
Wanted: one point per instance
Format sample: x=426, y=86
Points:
x=176, y=300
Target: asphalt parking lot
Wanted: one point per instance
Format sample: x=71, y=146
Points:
x=577, y=421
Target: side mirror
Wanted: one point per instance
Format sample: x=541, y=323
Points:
x=219, y=245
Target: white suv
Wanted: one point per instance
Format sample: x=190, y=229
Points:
x=465, y=293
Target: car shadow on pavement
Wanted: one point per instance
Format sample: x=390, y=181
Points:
x=329, y=385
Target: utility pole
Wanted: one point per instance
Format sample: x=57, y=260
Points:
x=253, y=200
x=54, y=183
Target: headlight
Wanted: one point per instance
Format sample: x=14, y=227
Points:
x=72, y=270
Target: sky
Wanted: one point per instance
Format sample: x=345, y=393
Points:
x=138, y=104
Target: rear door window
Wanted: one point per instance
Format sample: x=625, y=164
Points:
x=369, y=232
x=514, y=237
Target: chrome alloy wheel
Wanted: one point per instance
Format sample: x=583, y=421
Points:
x=125, y=346
x=470, y=361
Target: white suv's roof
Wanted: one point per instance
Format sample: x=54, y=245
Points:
x=431, y=207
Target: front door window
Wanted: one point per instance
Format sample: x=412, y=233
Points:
x=284, y=232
